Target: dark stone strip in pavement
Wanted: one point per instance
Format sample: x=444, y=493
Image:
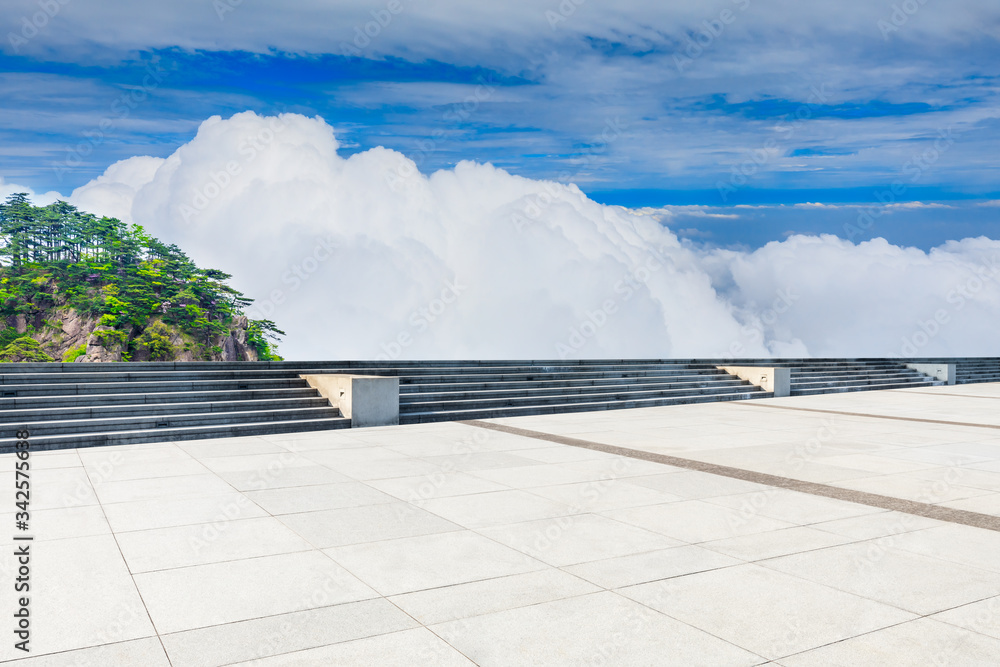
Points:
x=987, y=521
x=755, y=404
x=938, y=393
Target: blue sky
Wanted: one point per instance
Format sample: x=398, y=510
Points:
x=748, y=120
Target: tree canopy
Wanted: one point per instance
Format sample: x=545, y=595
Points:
x=57, y=255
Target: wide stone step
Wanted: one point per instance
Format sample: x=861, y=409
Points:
x=107, y=425
x=91, y=411
x=855, y=374
x=865, y=387
x=626, y=384
x=507, y=370
x=138, y=376
x=860, y=382
x=499, y=412
x=152, y=398
x=544, y=392
x=843, y=368
x=176, y=434
x=99, y=388
x=536, y=376
x=582, y=399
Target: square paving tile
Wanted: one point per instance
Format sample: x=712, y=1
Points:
x=146, y=652
x=480, y=461
x=577, y=539
x=437, y=485
x=770, y=613
x=598, y=629
x=496, y=508
x=59, y=524
x=957, y=543
x=229, y=447
x=903, y=579
x=123, y=472
x=284, y=633
x=290, y=500
x=166, y=512
x=544, y=474
x=182, y=546
x=366, y=523
x=186, y=486
x=773, y=543
x=410, y=564
x=920, y=642
x=259, y=479
x=399, y=649
x=694, y=485
x=793, y=506
x=202, y=595
x=982, y=617
x=882, y=524
x=448, y=603
x=385, y=468
x=270, y=464
x=697, y=521
x=82, y=596
x=650, y=566
x=605, y=494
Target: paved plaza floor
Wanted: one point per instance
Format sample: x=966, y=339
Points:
x=774, y=537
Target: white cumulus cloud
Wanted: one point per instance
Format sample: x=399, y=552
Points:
x=364, y=256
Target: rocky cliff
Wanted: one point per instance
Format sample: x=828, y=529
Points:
x=63, y=334
x=76, y=287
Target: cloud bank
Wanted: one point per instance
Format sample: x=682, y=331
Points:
x=366, y=257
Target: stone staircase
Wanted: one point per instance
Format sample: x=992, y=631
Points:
x=970, y=371
x=522, y=388
x=832, y=376
x=79, y=404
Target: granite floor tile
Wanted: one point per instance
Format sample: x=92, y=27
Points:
x=411, y=564
x=366, y=523
x=204, y=595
